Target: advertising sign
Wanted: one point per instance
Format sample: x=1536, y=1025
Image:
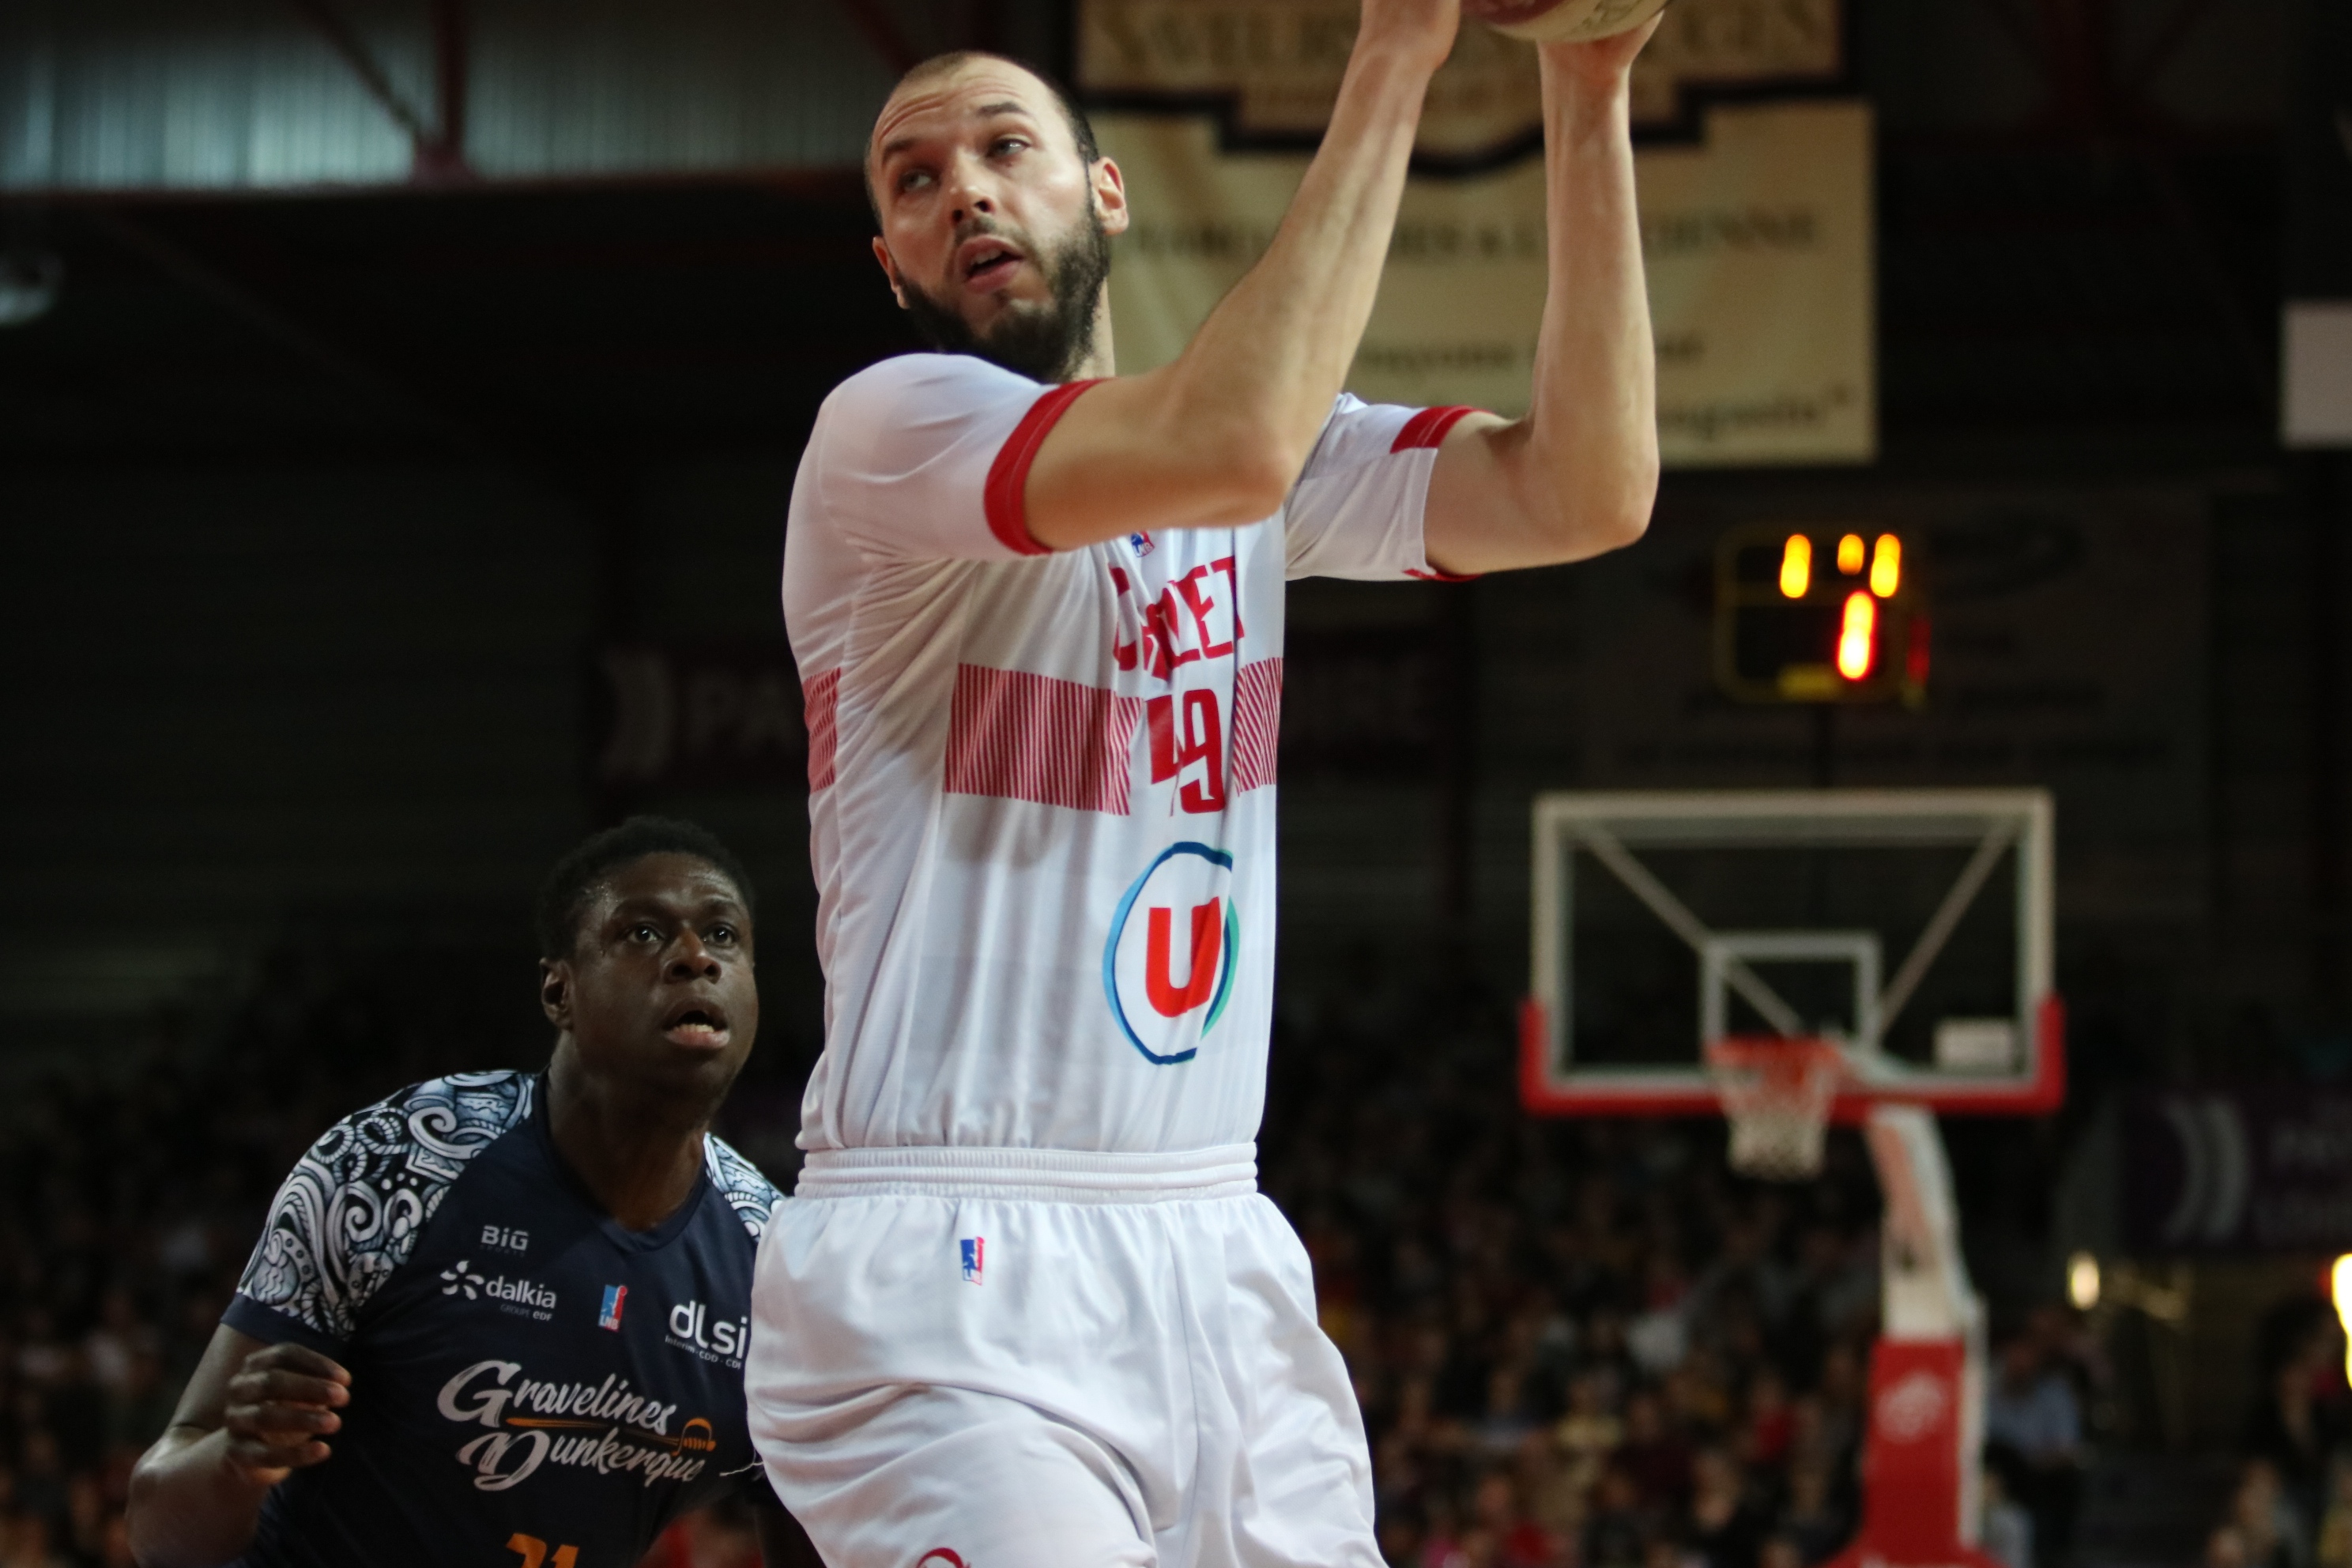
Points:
x=1757, y=223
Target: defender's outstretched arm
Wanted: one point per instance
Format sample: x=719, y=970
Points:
x=1578, y=476
x=1217, y=437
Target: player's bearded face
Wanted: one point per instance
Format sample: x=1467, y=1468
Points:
x=1045, y=338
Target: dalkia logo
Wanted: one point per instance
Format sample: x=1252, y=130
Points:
x=459, y=1278
x=1167, y=966
x=690, y=1329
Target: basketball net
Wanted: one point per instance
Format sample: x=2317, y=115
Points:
x=1777, y=1095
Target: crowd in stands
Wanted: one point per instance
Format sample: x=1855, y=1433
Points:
x=1586, y=1344
x=2291, y=1506
x=1578, y=1344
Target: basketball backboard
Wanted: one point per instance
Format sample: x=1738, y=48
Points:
x=1911, y=927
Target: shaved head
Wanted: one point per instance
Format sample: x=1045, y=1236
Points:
x=1082, y=129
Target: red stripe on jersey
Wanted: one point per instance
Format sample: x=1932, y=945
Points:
x=1257, y=722
x=1428, y=427
x=1005, y=496
x=1033, y=738
x=818, y=698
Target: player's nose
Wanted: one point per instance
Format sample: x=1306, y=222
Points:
x=690, y=960
x=969, y=192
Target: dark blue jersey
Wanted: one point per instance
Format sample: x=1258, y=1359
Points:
x=532, y=1386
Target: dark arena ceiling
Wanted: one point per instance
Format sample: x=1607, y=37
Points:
x=2079, y=209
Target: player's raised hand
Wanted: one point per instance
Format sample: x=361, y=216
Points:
x=1423, y=28
x=282, y=1401
x=1603, y=59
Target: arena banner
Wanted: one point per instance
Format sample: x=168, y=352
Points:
x=2238, y=1170
x=1757, y=221
x=1359, y=702
x=697, y=715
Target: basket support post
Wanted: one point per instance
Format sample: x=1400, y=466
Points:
x=1922, y=1458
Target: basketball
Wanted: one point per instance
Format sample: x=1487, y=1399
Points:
x=1562, y=21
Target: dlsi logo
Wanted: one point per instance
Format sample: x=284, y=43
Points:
x=690, y=1328
x=1175, y=940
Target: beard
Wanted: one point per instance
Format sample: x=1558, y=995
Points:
x=1042, y=341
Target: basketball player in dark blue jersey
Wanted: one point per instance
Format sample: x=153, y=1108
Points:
x=499, y=1318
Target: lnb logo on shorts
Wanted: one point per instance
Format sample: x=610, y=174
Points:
x=1175, y=938
x=975, y=1253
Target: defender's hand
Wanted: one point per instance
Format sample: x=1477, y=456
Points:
x=280, y=1403
x=1424, y=29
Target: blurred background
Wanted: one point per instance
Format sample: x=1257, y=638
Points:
x=399, y=401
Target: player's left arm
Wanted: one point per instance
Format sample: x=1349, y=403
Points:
x=1577, y=475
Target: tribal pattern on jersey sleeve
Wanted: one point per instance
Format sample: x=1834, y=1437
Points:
x=353, y=1208
x=746, y=1192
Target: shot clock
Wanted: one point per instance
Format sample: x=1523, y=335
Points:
x=1818, y=613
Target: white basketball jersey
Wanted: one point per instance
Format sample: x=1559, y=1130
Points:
x=1042, y=784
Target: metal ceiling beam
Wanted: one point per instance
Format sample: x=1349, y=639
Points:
x=328, y=25
x=881, y=33
x=437, y=146
x=444, y=156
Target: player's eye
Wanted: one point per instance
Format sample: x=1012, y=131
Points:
x=723, y=934
x=1005, y=146
x=644, y=931
x=912, y=179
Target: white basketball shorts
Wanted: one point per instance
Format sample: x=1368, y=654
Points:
x=984, y=1358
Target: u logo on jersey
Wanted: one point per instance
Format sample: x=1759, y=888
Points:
x=1168, y=965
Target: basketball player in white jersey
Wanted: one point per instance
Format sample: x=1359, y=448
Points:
x=1026, y=1308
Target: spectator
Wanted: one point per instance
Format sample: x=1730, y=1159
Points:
x=30, y=1545
x=1724, y=1531
x=1590, y=1431
x=2006, y=1530
x=2299, y=1423
x=1620, y=1527
x=2033, y=1439
x=2264, y=1518
x=1656, y=1455
x=1812, y=1517
x=2332, y=1548
x=1770, y=1424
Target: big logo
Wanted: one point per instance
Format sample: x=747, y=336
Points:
x=1168, y=965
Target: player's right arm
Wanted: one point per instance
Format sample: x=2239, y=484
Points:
x=253, y=1414
x=1217, y=437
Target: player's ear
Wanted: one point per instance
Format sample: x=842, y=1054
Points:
x=555, y=990
x=1111, y=195
x=890, y=270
